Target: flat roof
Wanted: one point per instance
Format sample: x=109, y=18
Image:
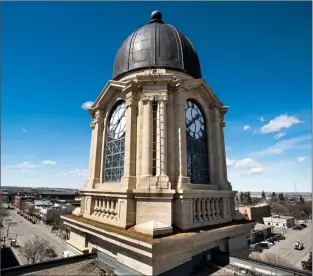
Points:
x=260, y=226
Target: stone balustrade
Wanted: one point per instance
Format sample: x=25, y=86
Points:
x=105, y=207
x=114, y=208
x=207, y=209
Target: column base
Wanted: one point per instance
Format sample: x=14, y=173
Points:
x=129, y=182
x=147, y=181
x=163, y=182
x=91, y=183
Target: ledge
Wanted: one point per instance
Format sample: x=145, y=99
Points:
x=131, y=233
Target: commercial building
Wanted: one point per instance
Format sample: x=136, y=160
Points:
x=255, y=212
x=261, y=232
x=141, y=205
x=280, y=221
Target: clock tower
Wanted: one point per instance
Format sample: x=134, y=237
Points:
x=157, y=193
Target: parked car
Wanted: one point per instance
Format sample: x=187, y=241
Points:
x=267, y=242
x=297, y=227
x=264, y=245
x=303, y=225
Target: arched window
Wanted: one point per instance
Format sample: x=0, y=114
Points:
x=115, y=145
x=197, y=144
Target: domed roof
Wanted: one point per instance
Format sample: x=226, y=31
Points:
x=156, y=45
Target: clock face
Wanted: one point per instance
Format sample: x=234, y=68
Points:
x=194, y=120
x=117, y=122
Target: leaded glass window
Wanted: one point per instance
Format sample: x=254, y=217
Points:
x=197, y=144
x=115, y=145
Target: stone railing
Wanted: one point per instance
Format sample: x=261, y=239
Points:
x=196, y=209
x=207, y=209
x=105, y=207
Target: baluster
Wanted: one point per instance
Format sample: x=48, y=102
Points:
x=200, y=212
x=115, y=207
x=108, y=208
x=218, y=215
x=105, y=207
x=96, y=207
x=204, y=209
x=112, y=209
x=100, y=206
x=208, y=205
x=213, y=209
x=195, y=214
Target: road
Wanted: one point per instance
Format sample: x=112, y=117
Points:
x=23, y=231
x=284, y=248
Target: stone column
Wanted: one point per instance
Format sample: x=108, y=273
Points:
x=171, y=144
x=181, y=139
x=161, y=149
x=97, y=126
x=146, y=139
x=218, y=156
x=129, y=177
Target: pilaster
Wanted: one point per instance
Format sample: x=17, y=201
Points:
x=181, y=148
x=129, y=178
x=218, y=172
x=146, y=165
x=161, y=147
x=95, y=160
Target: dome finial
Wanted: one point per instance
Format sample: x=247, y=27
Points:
x=156, y=16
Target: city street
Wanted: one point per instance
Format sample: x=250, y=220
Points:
x=284, y=248
x=23, y=230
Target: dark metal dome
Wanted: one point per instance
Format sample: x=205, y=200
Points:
x=157, y=45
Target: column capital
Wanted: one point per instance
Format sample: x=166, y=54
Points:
x=130, y=102
x=147, y=98
x=161, y=98
x=98, y=117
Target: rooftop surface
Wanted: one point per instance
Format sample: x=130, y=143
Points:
x=131, y=233
x=260, y=226
x=87, y=267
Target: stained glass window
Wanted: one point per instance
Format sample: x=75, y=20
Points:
x=115, y=144
x=197, y=144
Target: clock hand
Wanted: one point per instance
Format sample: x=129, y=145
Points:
x=193, y=120
x=119, y=121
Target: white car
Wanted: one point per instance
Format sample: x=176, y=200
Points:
x=268, y=243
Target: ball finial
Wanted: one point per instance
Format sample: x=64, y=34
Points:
x=156, y=16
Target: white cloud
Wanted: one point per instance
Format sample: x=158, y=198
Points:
x=246, y=127
x=248, y=165
x=87, y=105
x=25, y=165
x=230, y=162
x=49, y=162
x=76, y=172
x=24, y=171
x=279, y=135
x=278, y=123
x=262, y=119
x=288, y=144
x=24, y=130
x=301, y=158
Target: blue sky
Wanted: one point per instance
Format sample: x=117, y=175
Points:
x=256, y=56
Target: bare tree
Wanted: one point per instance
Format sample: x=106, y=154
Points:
x=3, y=213
x=35, y=250
x=270, y=258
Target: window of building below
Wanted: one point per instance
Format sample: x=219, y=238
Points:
x=268, y=223
x=276, y=224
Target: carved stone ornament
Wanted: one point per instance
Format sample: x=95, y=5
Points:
x=97, y=118
x=155, y=72
x=130, y=102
